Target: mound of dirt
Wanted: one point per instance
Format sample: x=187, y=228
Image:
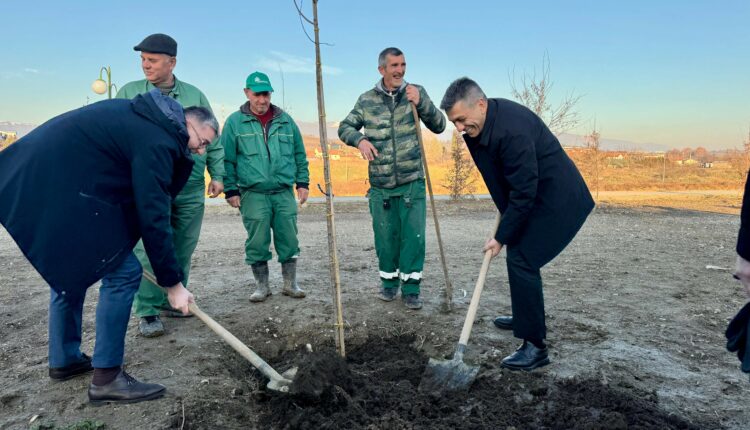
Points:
x=378, y=388
x=320, y=374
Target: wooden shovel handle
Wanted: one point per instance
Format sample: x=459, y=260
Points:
x=236, y=344
x=469, y=323
x=448, y=292
x=228, y=337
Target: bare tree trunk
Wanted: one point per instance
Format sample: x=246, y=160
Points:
x=334, y=261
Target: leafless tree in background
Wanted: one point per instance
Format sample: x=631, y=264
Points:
x=534, y=92
x=459, y=180
x=592, y=143
x=740, y=161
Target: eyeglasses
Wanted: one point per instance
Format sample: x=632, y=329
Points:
x=203, y=142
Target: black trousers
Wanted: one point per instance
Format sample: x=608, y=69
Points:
x=526, y=295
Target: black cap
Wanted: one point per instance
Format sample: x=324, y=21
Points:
x=158, y=44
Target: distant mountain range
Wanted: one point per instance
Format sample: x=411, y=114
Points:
x=20, y=128
x=312, y=129
x=567, y=139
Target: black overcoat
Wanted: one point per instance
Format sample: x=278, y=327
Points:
x=743, y=238
x=537, y=188
x=80, y=190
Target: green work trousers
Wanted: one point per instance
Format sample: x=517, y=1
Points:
x=186, y=216
x=398, y=221
x=263, y=212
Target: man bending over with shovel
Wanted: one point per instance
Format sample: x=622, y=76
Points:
x=540, y=193
x=397, y=192
x=76, y=194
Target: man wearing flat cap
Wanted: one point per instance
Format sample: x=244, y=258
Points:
x=158, y=59
x=264, y=160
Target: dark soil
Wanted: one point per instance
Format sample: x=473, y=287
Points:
x=379, y=390
x=635, y=318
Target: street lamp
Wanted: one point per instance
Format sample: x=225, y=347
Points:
x=100, y=86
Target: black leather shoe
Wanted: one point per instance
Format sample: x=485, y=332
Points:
x=124, y=389
x=527, y=357
x=504, y=323
x=71, y=370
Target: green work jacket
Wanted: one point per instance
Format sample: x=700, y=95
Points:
x=264, y=161
x=388, y=124
x=187, y=95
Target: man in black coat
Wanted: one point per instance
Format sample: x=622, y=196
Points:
x=76, y=194
x=742, y=271
x=540, y=193
x=738, y=331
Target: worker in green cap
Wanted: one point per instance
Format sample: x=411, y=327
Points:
x=158, y=59
x=264, y=161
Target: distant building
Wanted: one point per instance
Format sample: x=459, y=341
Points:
x=8, y=135
x=6, y=138
x=688, y=162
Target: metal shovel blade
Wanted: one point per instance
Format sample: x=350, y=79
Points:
x=282, y=385
x=447, y=375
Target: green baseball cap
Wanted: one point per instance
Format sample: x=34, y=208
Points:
x=258, y=82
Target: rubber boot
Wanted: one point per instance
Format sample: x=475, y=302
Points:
x=260, y=272
x=289, y=273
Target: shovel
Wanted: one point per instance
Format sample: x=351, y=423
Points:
x=448, y=292
x=454, y=374
x=277, y=382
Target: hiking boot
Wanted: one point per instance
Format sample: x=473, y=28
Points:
x=260, y=273
x=388, y=294
x=412, y=301
x=151, y=326
x=71, y=370
x=289, y=273
x=124, y=389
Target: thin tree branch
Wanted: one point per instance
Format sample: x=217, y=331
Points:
x=302, y=23
x=302, y=15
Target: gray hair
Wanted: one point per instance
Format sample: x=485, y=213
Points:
x=462, y=89
x=388, y=51
x=204, y=117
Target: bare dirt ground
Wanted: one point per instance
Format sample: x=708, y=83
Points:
x=636, y=329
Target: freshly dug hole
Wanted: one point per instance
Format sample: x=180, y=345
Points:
x=377, y=387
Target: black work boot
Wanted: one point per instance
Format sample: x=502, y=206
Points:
x=412, y=301
x=151, y=326
x=289, y=273
x=260, y=272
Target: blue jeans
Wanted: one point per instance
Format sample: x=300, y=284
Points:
x=112, y=316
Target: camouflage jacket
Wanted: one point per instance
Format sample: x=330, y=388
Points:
x=388, y=124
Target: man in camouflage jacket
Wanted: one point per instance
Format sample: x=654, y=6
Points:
x=397, y=193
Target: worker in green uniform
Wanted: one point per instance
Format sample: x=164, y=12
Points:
x=397, y=192
x=158, y=59
x=264, y=160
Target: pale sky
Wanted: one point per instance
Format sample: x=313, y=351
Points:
x=668, y=72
